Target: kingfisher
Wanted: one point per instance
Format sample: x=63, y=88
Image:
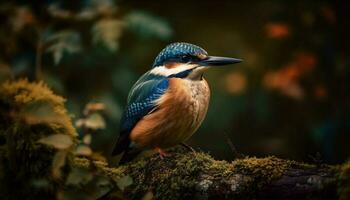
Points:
x=168, y=103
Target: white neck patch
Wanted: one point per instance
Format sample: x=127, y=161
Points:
x=163, y=71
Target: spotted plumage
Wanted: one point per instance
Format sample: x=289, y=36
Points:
x=178, y=51
x=169, y=102
x=142, y=100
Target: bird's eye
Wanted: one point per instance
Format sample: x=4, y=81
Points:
x=186, y=58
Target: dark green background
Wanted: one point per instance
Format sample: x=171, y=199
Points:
x=258, y=120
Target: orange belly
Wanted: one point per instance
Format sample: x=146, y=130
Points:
x=179, y=113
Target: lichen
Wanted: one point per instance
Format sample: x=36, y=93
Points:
x=344, y=181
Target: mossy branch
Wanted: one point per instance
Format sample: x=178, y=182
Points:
x=24, y=164
x=187, y=175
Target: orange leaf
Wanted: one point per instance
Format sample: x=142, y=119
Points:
x=277, y=30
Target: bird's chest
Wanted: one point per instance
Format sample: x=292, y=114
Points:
x=179, y=113
x=189, y=103
x=192, y=98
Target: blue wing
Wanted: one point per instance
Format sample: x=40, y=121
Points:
x=141, y=101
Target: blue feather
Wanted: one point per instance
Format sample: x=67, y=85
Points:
x=176, y=50
x=142, y=99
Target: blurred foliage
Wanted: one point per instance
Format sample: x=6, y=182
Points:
x=59, y=141
x=148, y=26
x=31, y=143
x=37, y=155
x=55, y=37
x=63, y=42
x=289, y=98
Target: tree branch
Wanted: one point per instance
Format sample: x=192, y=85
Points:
x=198, y=176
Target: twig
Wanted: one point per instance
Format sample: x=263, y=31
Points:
x=236, y=154
x=188, y=147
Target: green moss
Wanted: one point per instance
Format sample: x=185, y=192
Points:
x=263, y=170
x=187, y=175
x=22, y=125
x=19, y=96
x=183, y=172
x=102, y=167
x=169, y=177
x=344, y=181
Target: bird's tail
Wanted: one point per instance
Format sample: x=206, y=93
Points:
x=123, y=146
x=129, y=155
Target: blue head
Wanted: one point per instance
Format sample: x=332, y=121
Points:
x=183, y=59
x=179, y=52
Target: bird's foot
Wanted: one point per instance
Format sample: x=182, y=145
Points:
x=188, y=147
x=161, y=152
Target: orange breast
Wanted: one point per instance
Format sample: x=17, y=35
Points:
x=179, y=113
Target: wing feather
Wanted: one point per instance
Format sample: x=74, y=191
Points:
x=141, y=101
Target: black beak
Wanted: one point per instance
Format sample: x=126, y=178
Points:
x=219, y=61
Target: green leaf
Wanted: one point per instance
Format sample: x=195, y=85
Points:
x=124, y=182
x=83, y=150
x=148, y=26
x=63, y=42
x=94, y=121
x=58, y=141
x=59, y=160
x=107, y=32
x=40, y=112
x=104, y=186
x=87, y=139
x=79, y=176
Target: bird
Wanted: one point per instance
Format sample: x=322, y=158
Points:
x=168, y=103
